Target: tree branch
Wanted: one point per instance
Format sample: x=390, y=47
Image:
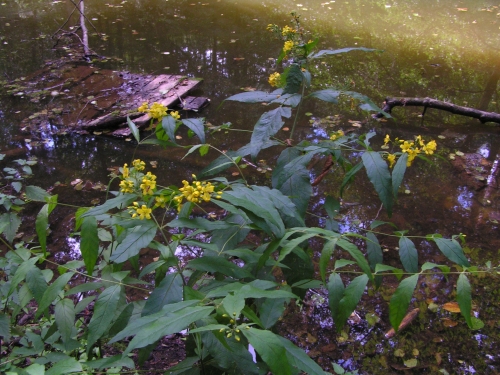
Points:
x=482, y=116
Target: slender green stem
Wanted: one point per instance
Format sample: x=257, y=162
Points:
x=298, y=111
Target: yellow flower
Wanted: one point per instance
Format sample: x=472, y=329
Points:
x=387, y=139
x=419, y=140
x=391, y=158
x=271, y=27
x=175, y=115
x=161, y=201
x=288, y=46
x=337, y=135
x=406, y=146
x=412, y=154
x=125, y=171
x=148, y=184
x=158, y=111
x=287, y=30
x=430, y=147
x=127, y=186
x=275, y=79
x=142, y=212
x=144, y=107
x=139, y=164
x=196, y=192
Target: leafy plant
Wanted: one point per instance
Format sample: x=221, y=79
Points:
x=255, y=257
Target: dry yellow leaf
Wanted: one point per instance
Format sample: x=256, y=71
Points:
x=452, y=307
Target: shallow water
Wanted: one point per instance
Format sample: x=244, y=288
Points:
x=446, y=50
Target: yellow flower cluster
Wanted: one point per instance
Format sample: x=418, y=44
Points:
x=138, y=164
x=148, y=184
x=157, y=111
x=196, y=192
x=412, y=148
x=288, y=46
x=275, y=79
x=127, y=186
x=337, y=135
x=287, y=30
x=142, y=212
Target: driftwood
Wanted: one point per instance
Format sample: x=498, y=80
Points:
x=482, y=116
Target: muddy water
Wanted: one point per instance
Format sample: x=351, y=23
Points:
x=446, y=50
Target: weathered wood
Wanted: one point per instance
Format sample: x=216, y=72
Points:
x=482, y=116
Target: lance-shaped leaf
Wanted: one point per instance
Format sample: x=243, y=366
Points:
x=89, y=245
x=65, y=366
x=36, y=193
x=378, y=173
x=408, y=254
x=196, y=125
x=36, y=283
x=336, y=290
x=4, y=326
x=137, y=238
x=104, y=312
x=169, y=125
x=255, y=96
x=328, y=52
x=169, y=291
x=64, y=314
x=219, y=264
x=52, y=292
x=120, y=201
x=133, y=129
x=327, y=95
x=373, y=250
x=293, y=75
x=400, y=300
x=268, y=125
x=220, y=164
x=270, y=348
x=324, y=259
x=9, y=224
x=299, y=359
x=357, y=255
x=352, y=295
x=464, y=298
x=452, y=250
x=398, y=173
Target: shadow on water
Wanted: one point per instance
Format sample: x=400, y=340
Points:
x=445, y=51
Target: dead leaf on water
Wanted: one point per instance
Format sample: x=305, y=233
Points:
x=452, y=307
x=411, y=362
x=235, y=174
x=462, y=9
x=76, y=182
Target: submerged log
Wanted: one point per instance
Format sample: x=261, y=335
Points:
x=482, y=116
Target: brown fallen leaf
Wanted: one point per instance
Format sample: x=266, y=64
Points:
x=404, y=323
x=452, y=307
x=448, y=323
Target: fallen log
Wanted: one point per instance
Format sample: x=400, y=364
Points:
x=482, y=116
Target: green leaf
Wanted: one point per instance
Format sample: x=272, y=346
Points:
x=268, y=125
x=65, y=366
x=270, y=348
x=89, y=245
x=21, y=272
x=220, y=164
x=219, y=264
x=64, y=314
x=349, y=177
x=357, y=255
x=452, y=250
x=36, y=283
x=254, y=97
x=204, y=149
x=197, y=126
x=4, y=326
x=169, y=291
x=9, y=222
x=292, y=244
x=167, y=325
x=52, y=292
x=259, y=209
x=104, y=312
x=233, y=304
x=408, y=254
x=398, y=173
x=292, y=177
x=327, y=95
x=378, y=173
x=136, y=239
x=324, y=259
x=133, y=130
x=293, y=75
x=299, y=359
x=41, y=224
x=464, y=298
x=401, y=300
x=114, y=361
x=329, y=52
x=373, y=250
x=336, y=290
x=270, y=311
x=352, y=295
x=121, y=201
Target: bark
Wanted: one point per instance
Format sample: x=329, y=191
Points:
x=482, y=116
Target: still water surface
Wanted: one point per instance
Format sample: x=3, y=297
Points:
x=447, y=50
